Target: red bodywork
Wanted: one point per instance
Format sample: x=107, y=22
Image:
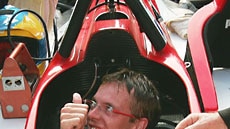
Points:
x=201, y=27
x=166, y=58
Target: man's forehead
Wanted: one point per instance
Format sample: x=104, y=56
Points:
x=112, y=90
x=113, y=86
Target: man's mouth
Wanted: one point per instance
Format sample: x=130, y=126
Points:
x=92, y=127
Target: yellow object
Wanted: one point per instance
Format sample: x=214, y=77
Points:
x=30, y=27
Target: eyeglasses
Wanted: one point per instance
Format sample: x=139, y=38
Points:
x=107, y=109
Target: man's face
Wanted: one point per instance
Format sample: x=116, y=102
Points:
x=118, y=98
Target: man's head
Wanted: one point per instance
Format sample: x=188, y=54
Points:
x=130, y=97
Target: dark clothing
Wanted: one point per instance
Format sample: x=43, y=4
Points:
x=177, y=1
x=225, y=114
x=3, y=3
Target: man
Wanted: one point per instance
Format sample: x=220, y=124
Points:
x=216, y=120
x=125, y=100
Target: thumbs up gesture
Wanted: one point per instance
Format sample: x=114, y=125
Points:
x=74, y=115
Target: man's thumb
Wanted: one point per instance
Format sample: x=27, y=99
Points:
x=77, y=98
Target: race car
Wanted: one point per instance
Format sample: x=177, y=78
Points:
x=104, y=35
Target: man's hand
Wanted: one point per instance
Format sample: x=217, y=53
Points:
x=74, y=115
x=202, y=121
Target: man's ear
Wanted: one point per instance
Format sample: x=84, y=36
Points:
x=142, y=123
